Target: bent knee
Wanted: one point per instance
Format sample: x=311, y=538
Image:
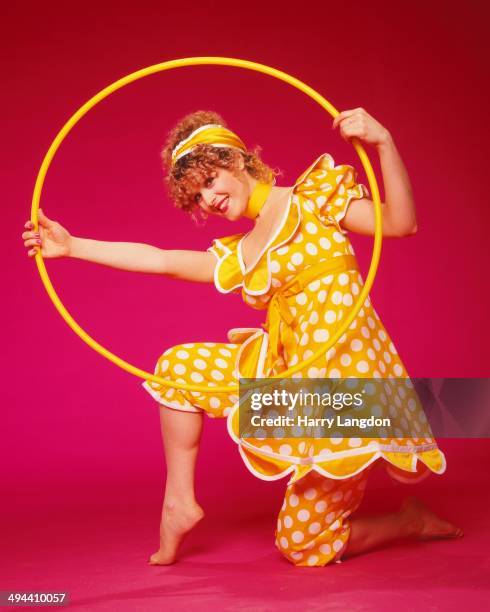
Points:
x=310, y=554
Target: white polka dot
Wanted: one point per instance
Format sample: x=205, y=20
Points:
x=362, y=366
x=343, y=279
x=311, y=228
x=356, y=345
x=297, y=537
x=397, y=369
x=365, y=332
x=164, y=365
x=334, y=373
x=321, y=506
x=180, y=368
x=293, y=500
x=311, y=249
x=283, y=250
x=298, y=238
x=303, y=515
x=325, y=549
x=337, y=545
x=371, y=354
x=355, y=442
x=314, y=318
x=285, y=449
x=314, y=528
x=314, y=286
x=330, y=316
x=337, y=297
x=275, y=266
x=297, y=259
x=301, y=298
x=310, y=493
x=288, y=522
x=297, y=556
x=225, y=352
x=321, y=296
x=217, y=375
x=325, y=243
x=320, y=335
x=313, y=560
x=345, y=359
x=188, y=345
x=182, y=354
x=200, y=364
x=221, y=363
x=283, y=542
x=338, y=237
x=347, y=299
x=196, y=377
x=214, y=402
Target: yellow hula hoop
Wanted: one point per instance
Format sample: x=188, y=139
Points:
x=179, y=63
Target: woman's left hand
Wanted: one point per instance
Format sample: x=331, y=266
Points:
x=358, y=123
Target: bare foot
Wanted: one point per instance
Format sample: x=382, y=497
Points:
x=177, y=521
x=427, y=525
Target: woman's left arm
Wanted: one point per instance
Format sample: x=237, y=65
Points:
x=399, y=216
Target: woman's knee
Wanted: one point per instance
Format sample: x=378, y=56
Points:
x=311, y=554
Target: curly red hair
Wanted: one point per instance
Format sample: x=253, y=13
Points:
x=184, y=179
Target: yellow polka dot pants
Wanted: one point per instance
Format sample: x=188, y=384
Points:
x=312, y=527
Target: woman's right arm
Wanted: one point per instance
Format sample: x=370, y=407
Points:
x=55, y=241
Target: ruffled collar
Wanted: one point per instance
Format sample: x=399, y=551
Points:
x=230, y=272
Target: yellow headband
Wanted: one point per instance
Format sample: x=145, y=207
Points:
x=214, y=135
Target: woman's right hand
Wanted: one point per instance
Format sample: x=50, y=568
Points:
x=53, y=239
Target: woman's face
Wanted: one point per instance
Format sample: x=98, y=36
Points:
x=224, y=193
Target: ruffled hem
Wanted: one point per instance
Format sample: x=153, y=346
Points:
x=165, y=402
x=345, y=464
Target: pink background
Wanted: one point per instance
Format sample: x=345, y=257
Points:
x=81, y=435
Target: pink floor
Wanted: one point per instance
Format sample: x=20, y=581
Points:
x=94, y=541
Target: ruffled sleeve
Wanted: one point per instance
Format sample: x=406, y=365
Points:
x=228, y=276
x=331, y=187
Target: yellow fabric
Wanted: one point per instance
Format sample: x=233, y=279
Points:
x=312, y=527
x=299, y=319
x=215, y=136
x=279, y=316
x=257, y=199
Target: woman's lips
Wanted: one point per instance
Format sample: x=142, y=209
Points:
x=223, y=205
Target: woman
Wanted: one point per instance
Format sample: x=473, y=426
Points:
x=298, y=263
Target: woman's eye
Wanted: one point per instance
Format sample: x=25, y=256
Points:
x=197, y=198
x=209, y=181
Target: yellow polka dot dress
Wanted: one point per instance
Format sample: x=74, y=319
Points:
x=310, y=233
